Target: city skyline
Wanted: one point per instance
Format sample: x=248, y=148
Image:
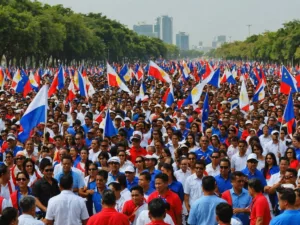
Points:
x=202, y=20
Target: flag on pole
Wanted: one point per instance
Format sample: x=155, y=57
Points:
x=115, y=81
x=109, y=128
x=158, y=73
x=244, y=99
x=288, y=82
x=170, y=97
x=205, y=111
x=289, y=115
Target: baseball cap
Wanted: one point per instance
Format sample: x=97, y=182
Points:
x=127, y=119
x=11, y=137
x=248, y=122
x=275, y=132
x=129, y=169
x=252, y=156
x=114, y=159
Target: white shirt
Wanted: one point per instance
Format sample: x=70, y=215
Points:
x=4, y=190
x=238, y=162
x=126, y=163
x=126, y=194
x=264, y=140
x=141, y=209
x=193, y=188
x=26, y=219
x=211, y=171
x=274, y=148
x=181, y=176
x=67, y=209
x=5, y=203
x=274, y=179
x=231, y=151
x=93, y=156
x=144, y=219
x=120, y=204
x=261, y=164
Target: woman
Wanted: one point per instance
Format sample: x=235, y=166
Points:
x=191, y=143
x=84, y=162
x=195, y=130
x=102, y=161
x=291, y=155
x=9, y=160
x=69, y=141
x=215, y=143
x=34, y=175
x=9, y=216
x=75, y=156
x=258, y=150
x=156, y=136
x=90, y=185
x=173, y=184
x=123, y=161
x=158, y=145
x=192, y=157
x=23, y=190
x=139, y=165
x=271, y=166
x=166, y=156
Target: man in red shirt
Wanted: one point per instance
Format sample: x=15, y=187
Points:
x=259, y=208
x=173, y=200
x=136, y=149
x=132, y=208
x=157, y=212
x=108, y=215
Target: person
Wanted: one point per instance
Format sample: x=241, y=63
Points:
x=238, y=197
x=101, y=179
x=7, y=187
x=108, y=214
x=66, y=208
x=223, y=179
x=213, y=169
x=27, y=204
x=291, y=155
x=157, y=212
x=131, y=179
x=203, y=152
x=151, y=161
x=259, y=209
x=136, y=149
x=162, y=191
x=193, y=185
x=144, y=182
x=33, y=173
x=203, y=210
x=271, y=166
x=290, y=215
x=224, y=213
x=239, y=159
x=114, y=165
x=46, y=187
x=116, y=187
x=125, y=193
x=9, y=216
x=132, y=208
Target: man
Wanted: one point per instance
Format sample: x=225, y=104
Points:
x=213, y=169
x=238, y=197
x=150, y=162
x=12, y=144
x=290, y=215
x=203, y=210
x=223, y=180
x=131, y=179
x=120, y=199
x=114, y=166
x=66, y=208
x=204, y=153
x=251, y=170
x=27, y=204
x=260, y=210
x=29, y=150
x=182, y=128
x=77, y=181
x=275, y=146
x=88, y=124
x=108, y=214
x=224, y=214
x=7, y=187
x=136, y=205
x=125, y=193
x=193, y=185
x=94, y=151
x=144, y=182
x=46, y=187
x=129, y=130
x=162, y=191
x=157, y=212
x=136, y=149
x=90, y=137
x=238, y=160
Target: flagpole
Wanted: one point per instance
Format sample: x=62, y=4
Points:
x=44, y=135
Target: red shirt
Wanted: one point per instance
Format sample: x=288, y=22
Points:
x=260, y=208
x=134, y=153
x=108, y=216
x=294, y=164
x=130, y=209
x=160, y=222
x=173, y=200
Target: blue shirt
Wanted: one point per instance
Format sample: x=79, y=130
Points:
x=112, y=178
x=177, y=187
x=215, y=131
x=15, y=150
x=257, y=174
x=86, y=128
x=203, y=210
x=129, y=132
x=153, y=175
x=206, y=155
x=97, y=198
x=290, y=217
x=88, y=142
x=135, y=182
x=150, y=191
x=297, y=150
x=241, y=201
x=273, y=170
x=184, y=133
x=223, y=184
x=78, y=181
x=223, y=138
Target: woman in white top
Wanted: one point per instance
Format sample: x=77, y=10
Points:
x=123, y=162
x=139, y=165
x=191, y=143
x=32, y=171
x=258, y=150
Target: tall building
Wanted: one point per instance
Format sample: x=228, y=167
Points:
x=182, y=41
x=218, y=41
x=145, y=29
x=164, y=29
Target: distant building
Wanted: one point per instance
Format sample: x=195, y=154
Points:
x=164, y=29
x=145, y=29
x=218, y=41
x=182, y=41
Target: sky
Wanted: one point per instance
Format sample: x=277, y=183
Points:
x=201, y=19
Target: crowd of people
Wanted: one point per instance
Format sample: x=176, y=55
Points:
x=165, y=165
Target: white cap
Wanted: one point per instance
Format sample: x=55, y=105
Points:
x=248, y=122
x=158, y=105
x=129, y=169
x=138, y=133
x=127, y=119
x=252, y=156
x=161, y=119
x=114, y=159
x=150, y=157
x=224, y=102
x=118, y=117
x=180, y=121
x=275, y=132
x=11, y=137
x=83, y=105
x=183, y=146
x=271, y=105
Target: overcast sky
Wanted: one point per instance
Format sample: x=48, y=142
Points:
x=201, y=19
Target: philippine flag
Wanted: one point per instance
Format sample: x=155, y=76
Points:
x=82, y=85
x=109, y=128
x=16, y=79
x=259, y=94
x=158, y=73
x=170, y=97
x=115, y=81
x=228, y=77
x=289, y=115
x=244, y=99
x=35, y=114
x=214, y=78
x=125, y=73
x=195, y=94
x=288, y=82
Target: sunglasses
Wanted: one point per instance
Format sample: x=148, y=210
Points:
x=92, y=169
x=288, y=177
x=49, y=170
x=223, y=167
x=138, y=161
x=114, y=163
x=215, y=157
x=19, y=158
x=21, y=179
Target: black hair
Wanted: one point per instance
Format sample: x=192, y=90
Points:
x=236, y=174
x=226, y=160
x=32, y=162
x=27, y=203
x=3, y=169
x=104, y=155
x=157, y=207
x=209, y=183
x=255, y=184
x=116, y=186
x=294, y=152
x=67, y=157
x=108, y=197
x=224, y=212
x=24, y=173
x=146, y=174
x=9, y=214
x=288, y=194
x=44, y=163
x=102, y=173
x=200, y=162
x=293, y=171
x=66, y=181
x=137, y=188
x=121, y=178
x=170, y=168
x=284, y=158
x=163, y=177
